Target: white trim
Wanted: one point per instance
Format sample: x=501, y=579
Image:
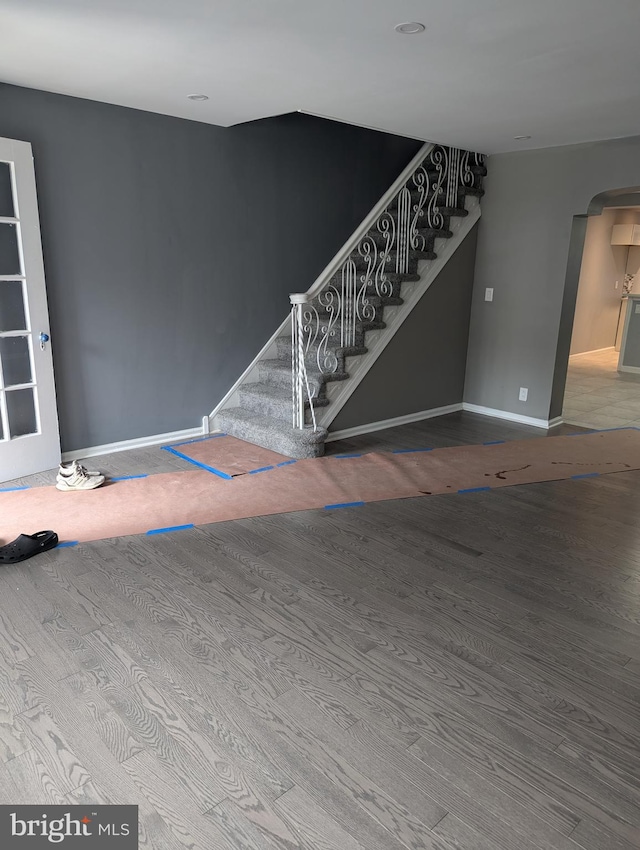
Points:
x=339, y=392
x=595, y=351
x=511, y=417
x=137, y=443
x=382, y=424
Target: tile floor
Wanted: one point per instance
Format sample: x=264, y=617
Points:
x=597, y=395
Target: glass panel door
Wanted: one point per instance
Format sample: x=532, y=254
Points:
x=29, y=439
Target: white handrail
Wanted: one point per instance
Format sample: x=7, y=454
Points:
x=353, y=241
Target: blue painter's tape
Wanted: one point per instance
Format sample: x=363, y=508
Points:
x=261, y=469
x=493, y=442
x=344, y=505
x=66, y=544
x=409, y=451
x=474, y=490
x=587, y=475
x=170, y=528
x=195, y=440
x=342, y=457
x=286, y=462
x=128, y=477
x=11, y=489
x=217, y=472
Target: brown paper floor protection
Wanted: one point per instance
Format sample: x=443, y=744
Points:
x=170, y=500
x=226, y=455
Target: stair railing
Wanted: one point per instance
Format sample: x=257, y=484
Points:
x=326, y=320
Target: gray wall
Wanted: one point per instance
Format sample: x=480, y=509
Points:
x=424, y=364
x=600, y=286
x=171, y=246
x=521, y=339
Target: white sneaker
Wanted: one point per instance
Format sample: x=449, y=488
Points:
x=76, y=477
x=67, y=468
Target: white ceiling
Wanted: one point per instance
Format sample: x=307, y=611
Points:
x=484, y=71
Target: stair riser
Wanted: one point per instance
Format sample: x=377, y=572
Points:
x=284, y=353
x=267, y=407
x=281, y=377
x=445, y=214
x=428, y=233
x=276, y=408
x=324, y=317
x=361, y=264
x=462, y=192
x=281, y=442
x=390, y=274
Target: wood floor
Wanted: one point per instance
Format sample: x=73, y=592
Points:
x=445, y=672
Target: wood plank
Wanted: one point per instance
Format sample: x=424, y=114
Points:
x=309, y=680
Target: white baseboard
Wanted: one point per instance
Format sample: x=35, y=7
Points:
x=345, y=434
x=358, y=430
x=511, y=417
x=595, y=351
x=137, y=443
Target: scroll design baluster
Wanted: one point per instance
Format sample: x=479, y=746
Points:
x=328, y=323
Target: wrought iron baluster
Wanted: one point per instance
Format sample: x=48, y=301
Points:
x=332, y=319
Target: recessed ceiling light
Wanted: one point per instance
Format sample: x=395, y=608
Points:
x=197, y=97
x=410, y=28
x=521, y=138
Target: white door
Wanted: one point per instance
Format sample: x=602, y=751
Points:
x=29, y=439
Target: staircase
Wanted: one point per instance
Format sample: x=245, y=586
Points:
x=289, y=395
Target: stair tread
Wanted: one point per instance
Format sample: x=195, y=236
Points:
x=279, y=365
x=275, y=392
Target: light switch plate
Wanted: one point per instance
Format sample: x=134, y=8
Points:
x=488, y=294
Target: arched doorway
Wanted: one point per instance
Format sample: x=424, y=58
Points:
x=594, y=385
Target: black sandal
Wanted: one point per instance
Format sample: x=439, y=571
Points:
x=27, y=545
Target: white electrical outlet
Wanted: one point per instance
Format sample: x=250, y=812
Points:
x=488, y=293
x=524, y=392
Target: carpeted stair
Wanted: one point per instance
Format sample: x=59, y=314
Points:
x=264, y=412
